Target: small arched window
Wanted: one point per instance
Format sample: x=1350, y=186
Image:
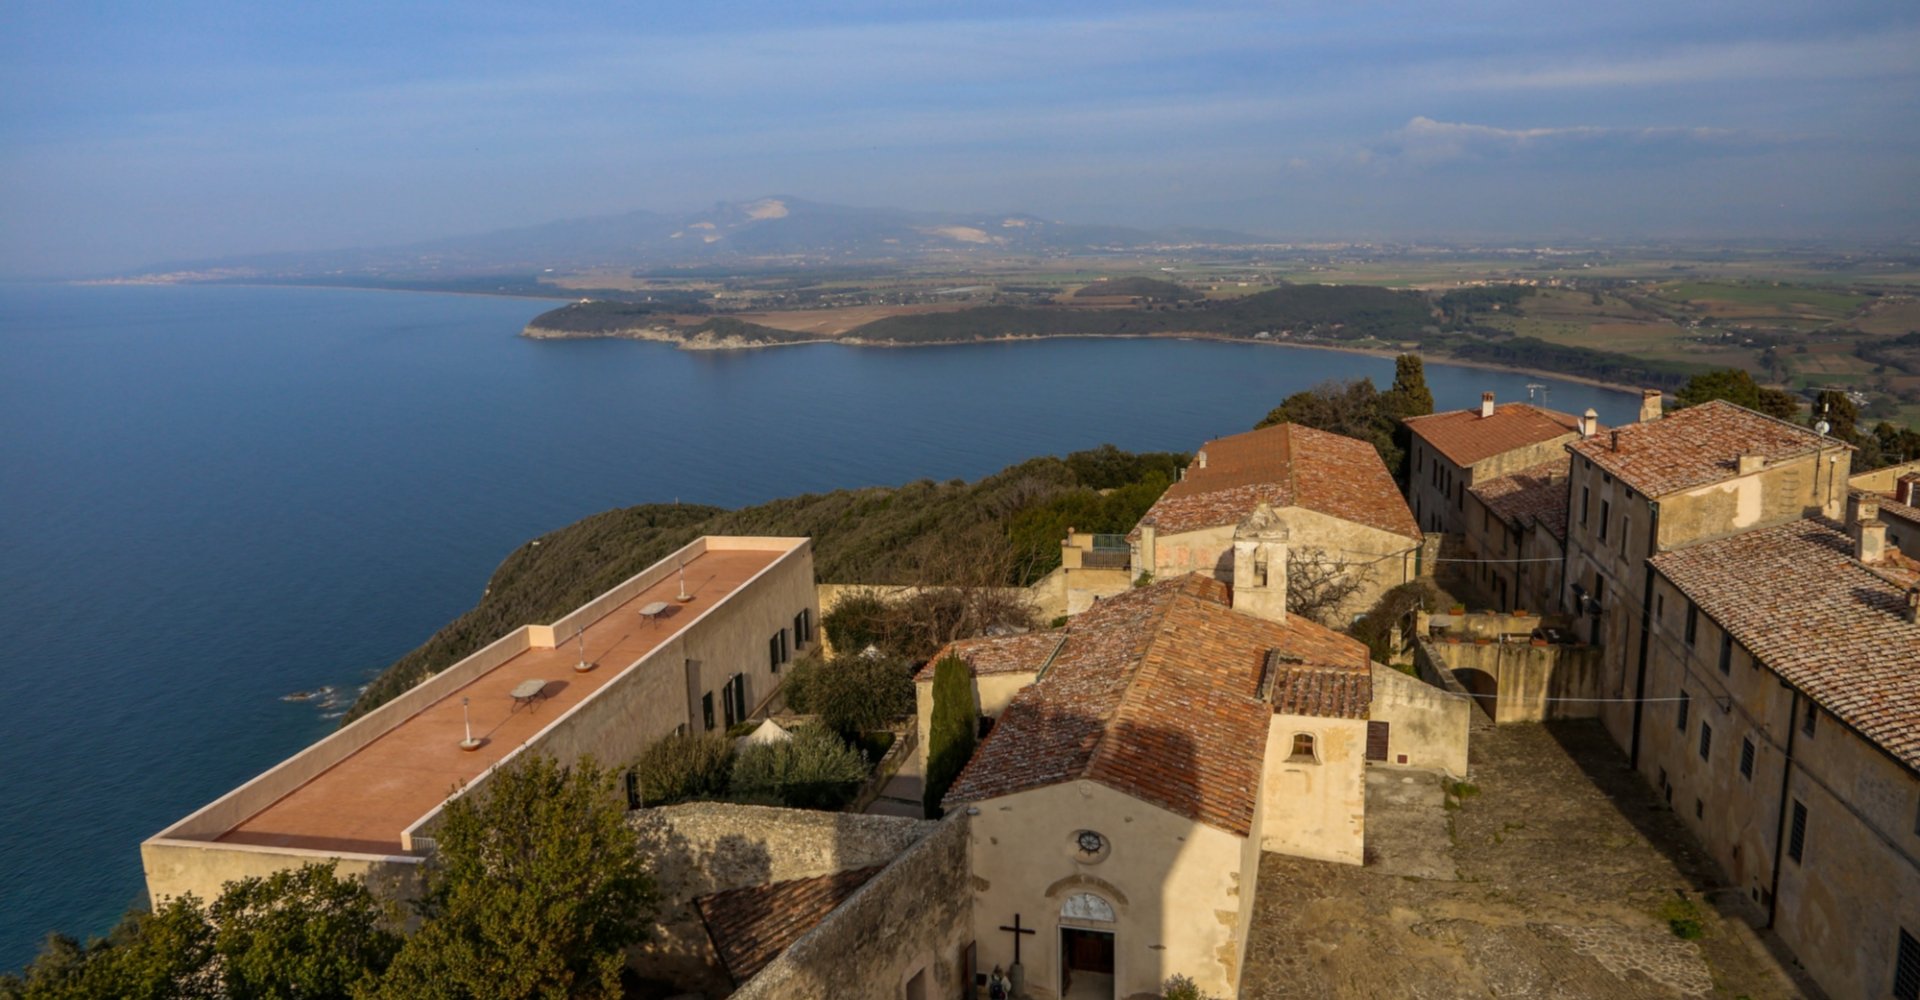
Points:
x=1303, y=750
x=1087, y=906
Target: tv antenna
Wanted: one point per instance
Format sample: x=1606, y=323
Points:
x=1536, y=392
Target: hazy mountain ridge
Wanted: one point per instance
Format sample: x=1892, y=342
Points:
x=758, y=228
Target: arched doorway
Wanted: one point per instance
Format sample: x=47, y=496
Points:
x=1086, y=948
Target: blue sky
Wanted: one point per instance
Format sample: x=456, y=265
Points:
x=132, y=133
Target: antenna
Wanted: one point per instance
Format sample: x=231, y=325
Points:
x=1536, y=392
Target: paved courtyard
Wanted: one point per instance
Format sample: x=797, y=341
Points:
x=1556, y=874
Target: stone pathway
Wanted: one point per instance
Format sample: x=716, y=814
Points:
x=903, y=793
x=1555, y=875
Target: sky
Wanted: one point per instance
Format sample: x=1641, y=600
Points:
x=133, y=133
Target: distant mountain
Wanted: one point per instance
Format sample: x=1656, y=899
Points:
x=774, y=229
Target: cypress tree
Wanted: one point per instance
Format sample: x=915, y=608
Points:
x=951, y=733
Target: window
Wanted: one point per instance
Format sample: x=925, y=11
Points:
x=633, y=790
x=1906, y=968
x=1726, y=651
x=1706, y=740
x=786, y=650
x=1586, y=503
x=1685, y=703
x=1605, y=509
x=773, y=650
x=1746, y=759
x=1303, y=749
x=1699, y=809
x=726, y=703
x=1659, y=606
x=803, y=628
x=1797, y=839
x=916, y=988
x=706, y=708
x=1806, y=723
x=737, y=699
x=1693, y=622
x=1626, y=532
x=1087, y=906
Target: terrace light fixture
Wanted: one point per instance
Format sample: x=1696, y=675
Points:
x=469, y=743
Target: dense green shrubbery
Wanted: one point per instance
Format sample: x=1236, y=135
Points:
x=1357, y=410
x=813, y=770
x=952, y=731
x=684, y=767
x=1609, y=366
x=859, y=694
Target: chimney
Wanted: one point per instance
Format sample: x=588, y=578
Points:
x=1907, y=490
x=1589, y=424
x=1751, y=463
x=1486, y=404
x=1200, y=459
x=1614, y=442
x=1869, y=533
x=1260, y=566
x=1650, y=404
x=1913, y=603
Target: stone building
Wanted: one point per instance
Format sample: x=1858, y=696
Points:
x=1695, y=475
x=1334, y=495
x=1516, y=531
x=1780, y=716
x=1454, y=450
x=694, y=642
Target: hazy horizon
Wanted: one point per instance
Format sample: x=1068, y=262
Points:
x=139, y=135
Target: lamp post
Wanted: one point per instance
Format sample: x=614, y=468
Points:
x=583, y=666
x=469, y=743
x=683, y=597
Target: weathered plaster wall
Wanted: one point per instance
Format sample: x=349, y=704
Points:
x=175, y=868
x=706, y=847
x=1380, y=559
x=1883, y=479
x=1178, y=888
x=1426, y=725
x=913, y=918
x=1318, y=808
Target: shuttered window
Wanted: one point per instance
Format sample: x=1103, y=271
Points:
x=1906, y=968
x=1797, y=839
x=1706, y=740
x=1746, y=759
x=1686, y=702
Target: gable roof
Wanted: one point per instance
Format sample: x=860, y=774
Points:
x=1696, y=446
x=1465, y=437
x=1795, y=597
x=750, y=927
x=1285, y=465
x=1156, y=694
x=1534, y=495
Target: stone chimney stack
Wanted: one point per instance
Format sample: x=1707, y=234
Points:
x=1613, y=440
x=1650, y=404
x=1260, y=566
x=1486, y=404
x=1907, y=490
x=1589, y=424
x=1913, y=603
x=1199, y=460
x=1868, y=531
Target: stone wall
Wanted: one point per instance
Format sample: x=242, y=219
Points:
x=1519, y=682
x=913, y=919
x=706, y=847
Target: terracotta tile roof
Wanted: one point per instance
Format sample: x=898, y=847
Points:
x=1155, y=693
x=750, y=927
x=1795, y=597
x=1006, y=654
x=1466, y=437
x=1696, y=446
x=1534, y=495
x=1889, y=507
x=1285, y=465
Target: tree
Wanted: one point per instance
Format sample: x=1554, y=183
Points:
x=1318, y=584
x=163, y=955
x=1353, y=408
x=1838, y=410
x=855, y=694
x=814, y=769
x=1736, y=386
x=952, y=731
x=1409, y=396
x=301, y=933
x=537, y=888
x=684, y=767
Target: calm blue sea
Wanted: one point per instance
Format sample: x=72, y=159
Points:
x=213, y=497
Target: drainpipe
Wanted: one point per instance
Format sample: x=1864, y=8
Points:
x=1780, y=824
x=1646, y=627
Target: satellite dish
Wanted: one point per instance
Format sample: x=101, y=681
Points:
x=1822, y=427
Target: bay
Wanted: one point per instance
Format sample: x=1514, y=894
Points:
x=211, y=497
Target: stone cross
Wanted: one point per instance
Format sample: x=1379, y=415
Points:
x=1017, y=931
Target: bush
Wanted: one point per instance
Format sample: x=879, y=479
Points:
x=856, y=622
x=1395, y=607
x=858, y=694
x=1182, y=988
x=683, y=768
x=951, y=732
x=797, y=689
x=813, y=770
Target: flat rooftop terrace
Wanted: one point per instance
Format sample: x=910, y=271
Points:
x=364, y=802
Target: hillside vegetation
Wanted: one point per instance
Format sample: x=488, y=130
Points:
x=901, y=534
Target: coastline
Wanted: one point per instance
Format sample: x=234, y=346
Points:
x=849, y=340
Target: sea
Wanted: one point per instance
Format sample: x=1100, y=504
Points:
x=224, y=509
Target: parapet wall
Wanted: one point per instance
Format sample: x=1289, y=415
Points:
x=910, y=920
x=1521, y=682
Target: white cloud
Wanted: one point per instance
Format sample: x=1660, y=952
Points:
x=1424, y=140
